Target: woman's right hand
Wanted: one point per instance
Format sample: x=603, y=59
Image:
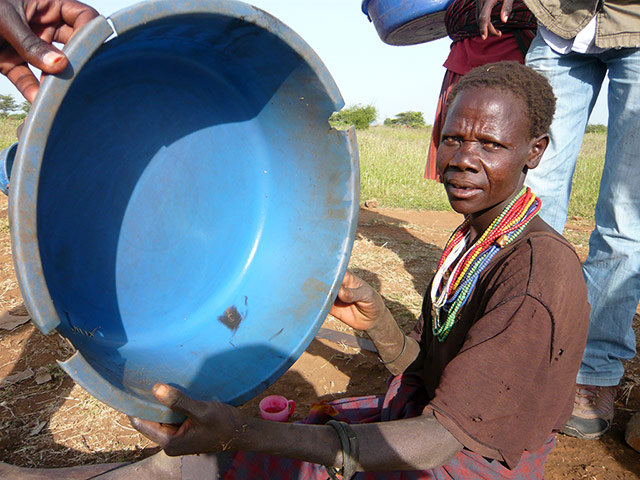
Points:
x=358, y=304
x=210, y=427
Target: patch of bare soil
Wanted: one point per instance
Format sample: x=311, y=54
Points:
x=46, y=420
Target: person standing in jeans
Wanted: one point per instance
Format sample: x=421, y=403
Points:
x=578, y=43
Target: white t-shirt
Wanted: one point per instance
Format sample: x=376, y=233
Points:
x=583, y=42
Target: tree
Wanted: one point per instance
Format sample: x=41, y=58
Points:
x=361, y=116
x=7, y=105
x=406, y=119
x=25, y=107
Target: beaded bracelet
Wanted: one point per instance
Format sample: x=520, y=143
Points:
x=404, y=347
x=350, y=453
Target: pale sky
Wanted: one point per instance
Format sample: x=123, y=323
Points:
x=367, y=71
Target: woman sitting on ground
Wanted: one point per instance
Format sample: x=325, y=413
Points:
x=487, y=378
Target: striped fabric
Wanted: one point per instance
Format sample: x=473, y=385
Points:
x=460, y=20
x=405, y=398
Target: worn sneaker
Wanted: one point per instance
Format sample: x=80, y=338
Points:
x=592, y=412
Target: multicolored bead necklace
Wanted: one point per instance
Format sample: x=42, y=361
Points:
x=452, y=287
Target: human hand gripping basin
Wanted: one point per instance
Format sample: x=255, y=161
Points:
x=181, y=210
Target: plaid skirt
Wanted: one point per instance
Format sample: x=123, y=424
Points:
x=405, y=398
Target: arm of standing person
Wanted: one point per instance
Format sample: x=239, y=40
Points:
x=483, y=16
x=27, y=29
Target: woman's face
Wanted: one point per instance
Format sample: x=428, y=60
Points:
x=484, y=150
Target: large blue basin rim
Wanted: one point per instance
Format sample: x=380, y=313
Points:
x=156, y=212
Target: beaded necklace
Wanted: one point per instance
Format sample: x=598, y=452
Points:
x=452, y=286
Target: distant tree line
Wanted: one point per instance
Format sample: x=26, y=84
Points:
x=9, y=108
x=406, y=119
x=361, y=116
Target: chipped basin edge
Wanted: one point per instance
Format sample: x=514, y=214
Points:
x=85, y=375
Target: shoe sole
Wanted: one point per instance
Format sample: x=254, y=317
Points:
x=574, y=432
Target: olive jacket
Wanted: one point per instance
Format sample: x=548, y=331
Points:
x=618, y=20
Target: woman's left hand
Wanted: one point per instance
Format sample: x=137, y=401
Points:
x=358, y=304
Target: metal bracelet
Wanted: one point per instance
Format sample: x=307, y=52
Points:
x=404, y=347
x=350, y=452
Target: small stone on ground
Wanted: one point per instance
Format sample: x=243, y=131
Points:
x=632, y=434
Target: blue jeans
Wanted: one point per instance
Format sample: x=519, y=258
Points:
x=612, y=269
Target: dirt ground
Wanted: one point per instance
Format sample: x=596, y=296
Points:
x=46, y=420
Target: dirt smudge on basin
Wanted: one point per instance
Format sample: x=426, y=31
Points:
x=231, y=318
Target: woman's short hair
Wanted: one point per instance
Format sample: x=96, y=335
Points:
x=523, y=82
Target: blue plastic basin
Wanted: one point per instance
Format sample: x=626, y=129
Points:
x=181, y=209
x=407, y=22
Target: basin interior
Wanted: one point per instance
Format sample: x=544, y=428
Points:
x=193, y=207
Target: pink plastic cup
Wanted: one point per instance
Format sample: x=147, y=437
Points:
x=276, y=408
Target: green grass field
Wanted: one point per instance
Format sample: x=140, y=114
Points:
x=392, y=164
x=7, y=132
